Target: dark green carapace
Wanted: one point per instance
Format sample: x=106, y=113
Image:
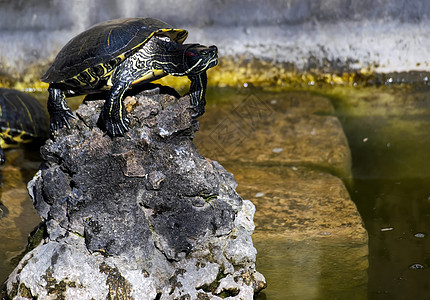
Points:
x=22, y=119
x=117, y=54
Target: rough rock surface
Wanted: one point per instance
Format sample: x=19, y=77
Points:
x=142, y=216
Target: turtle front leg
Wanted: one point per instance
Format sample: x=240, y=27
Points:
x=114, y=114
x=58, y=109
x=197, y=93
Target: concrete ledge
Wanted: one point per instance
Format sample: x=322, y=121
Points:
x=295, y=129
x=299, y=204
x=281, y=152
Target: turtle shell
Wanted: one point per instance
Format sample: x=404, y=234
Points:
x=102, y=47
x=22, y=117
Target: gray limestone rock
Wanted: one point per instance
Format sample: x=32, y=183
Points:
x=142, y=216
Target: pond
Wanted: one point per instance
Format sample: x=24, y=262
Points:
x=387, y=131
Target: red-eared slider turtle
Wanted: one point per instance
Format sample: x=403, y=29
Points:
x=22, y=119
x=117, y=54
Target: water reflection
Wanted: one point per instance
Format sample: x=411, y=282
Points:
x=312, y=269
x=21, y=218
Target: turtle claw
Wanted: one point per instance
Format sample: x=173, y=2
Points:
x=60, y=119
x=117, y=128
x=198, y=110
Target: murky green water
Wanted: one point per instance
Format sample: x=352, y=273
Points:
x=387, y=130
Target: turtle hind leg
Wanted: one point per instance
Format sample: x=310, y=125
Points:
x=197, y=93
x=59, y=111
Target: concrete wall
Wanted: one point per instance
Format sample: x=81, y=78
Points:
x=385, y=35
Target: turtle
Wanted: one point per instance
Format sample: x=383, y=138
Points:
x=117, y=54
x=23, y=119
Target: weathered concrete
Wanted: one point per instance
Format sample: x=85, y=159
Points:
x=329, y=35
x=297, y=203
x=285, y=150
x=296, y=129
x=143, y=216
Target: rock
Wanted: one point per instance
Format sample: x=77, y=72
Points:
x=142, y=216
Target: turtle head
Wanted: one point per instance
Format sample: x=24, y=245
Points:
x=199, y=58
x=183, y=59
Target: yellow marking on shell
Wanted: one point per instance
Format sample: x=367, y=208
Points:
x=30, y=117
x=15, y=138
x=20, y=140
x=107, y=75
x=82, y=46
x=3, y=144
x=108, y=38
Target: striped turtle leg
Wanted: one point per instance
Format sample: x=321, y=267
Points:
x=114, y=114
x=58, y=109
x=134, y=68
x=197, y=93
